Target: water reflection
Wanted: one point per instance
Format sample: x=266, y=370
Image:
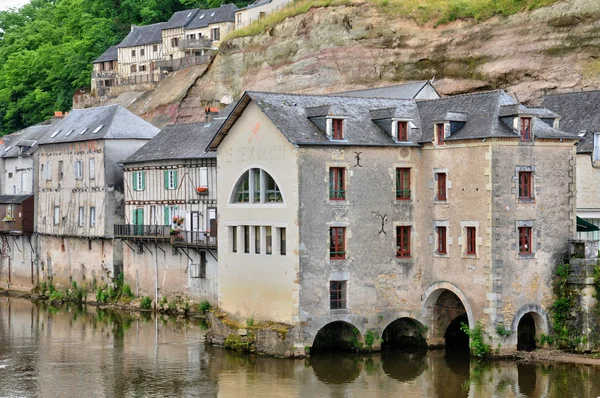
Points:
x=78, y=351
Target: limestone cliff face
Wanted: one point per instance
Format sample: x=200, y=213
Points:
x=353, y=47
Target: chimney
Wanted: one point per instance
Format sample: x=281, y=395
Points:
x=210, y=113
x=132, y=26
x=58, y=115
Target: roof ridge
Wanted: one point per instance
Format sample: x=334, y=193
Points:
x=497, y=90
x=332, y=95
x=572, y=92
x=388, y=86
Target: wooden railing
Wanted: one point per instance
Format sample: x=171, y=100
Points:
x=164, y=233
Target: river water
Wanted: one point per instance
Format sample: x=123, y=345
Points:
x=88, y=352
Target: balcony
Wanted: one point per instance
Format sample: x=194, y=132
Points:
x=181, y=63
x=196, y=44
x=110, y=74
x=164, y=233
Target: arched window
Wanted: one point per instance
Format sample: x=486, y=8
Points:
x=256, y=186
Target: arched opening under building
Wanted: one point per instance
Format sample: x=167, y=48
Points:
x=456, y=339
x=336, y=336
x=403, y=366
x=449, y=314
x=405, y=334
x=526, y=332
x=336, y=367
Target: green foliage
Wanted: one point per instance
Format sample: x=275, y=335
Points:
x=163, y=301
x=479, y=348
x=204, y=306
x=502, y=330
x=56, y=296
x=369, y=338
x=250, y=322
x=127, y=291
x=354, y=340
x=172, y=305
x=146, y=303
x=545, y=339
x=564, y=310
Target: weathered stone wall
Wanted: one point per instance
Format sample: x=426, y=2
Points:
x=18, y=267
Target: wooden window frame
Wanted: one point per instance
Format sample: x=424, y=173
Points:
x=337, y=295
x=403, y=243
x=525, y=185
x=337, y=129
x=526, y=129
x=525, y=241
x=337, y=183
x=442, y=186
x=403, y=191
x=442, y=240
x=337, y=243
x=402, y=130
x=471, y=233
x=440, y=133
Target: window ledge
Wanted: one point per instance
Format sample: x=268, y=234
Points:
x=526, y=256
x=526, y=200
x=441, y=202
x=403, y=201
x=335, y=202
x=339, y=311
x=404, y=260
x=438, y=255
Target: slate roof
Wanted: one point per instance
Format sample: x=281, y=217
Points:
x=142, y=35
x=298, y=117
x=180, y=19
x=181, y=141
x=580, y=112
x=112, y=54
x=257, y=3
x=116, y=121
x=14, y=199
x=27, y=139
x=225, y=13
x=398, y=91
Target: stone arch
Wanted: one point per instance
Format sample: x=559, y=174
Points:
x=430, y=299
x=404, y=332
x=337, y=335
x=530, y=313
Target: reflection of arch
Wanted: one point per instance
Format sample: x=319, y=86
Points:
x=403, y=366
x=335, y=336
x=445, y=306
x=336, y=368
x=256, y=185
x=404, y=332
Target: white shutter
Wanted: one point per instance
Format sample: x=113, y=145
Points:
x=596, y=146
x=204, y=177
x=92, y=168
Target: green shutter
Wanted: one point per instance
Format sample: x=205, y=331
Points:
x=143, y=180
x=175, y=179
x=167, y=218
x=166, y=179
x=135, y=180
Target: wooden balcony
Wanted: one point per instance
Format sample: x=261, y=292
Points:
x=164, y=233
x=196, y=44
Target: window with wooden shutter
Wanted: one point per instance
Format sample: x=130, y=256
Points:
x=337, y=126
x=403, y=184
x=403, y=241
x=92, y=168
x=440, y=133
x=441, y=238
x=337, y=243
x=525, y=185
x=337, y=183
x=525, y=129
x=402, y=131
x=471, y=240
x=525, y=243
x=441, y=187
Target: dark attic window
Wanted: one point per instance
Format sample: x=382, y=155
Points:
x=337, y=129
x=525, y=129
x=402, y=131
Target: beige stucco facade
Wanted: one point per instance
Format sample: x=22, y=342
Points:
x=246, y=16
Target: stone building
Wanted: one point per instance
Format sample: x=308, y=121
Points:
x=579, y=112
x=80, y=192
x=169, y=229
x=397, y=219
x=138, y=53
x=105, y=71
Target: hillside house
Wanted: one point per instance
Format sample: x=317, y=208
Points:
x=257, y=10
x=420, y=90
x=80, y=192
x=579, y=112
x=138, y=53
x=105, y=71
x=170, y=229
x=395, y=218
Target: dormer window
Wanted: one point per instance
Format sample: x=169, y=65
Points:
x=337, y=129
x=439, y=128
x=402, y=131
x=525, y=129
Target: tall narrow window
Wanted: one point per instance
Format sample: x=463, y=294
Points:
x=441, y=238
x=337, y=183
x=22, y=182
x=139, y=180
x=204, y=177
x=215, y=34
x=257, y=240
x=471, y=240
x=525, y=240
x=48, y=171
x=525, y=129
x=142, y=52
x=269, y=240
x=78, y=170
x=403, y=184
x=56, y=215
x=81, y=215
x=92, y=168
x=133, y=53
x=441, y=187
x=256, y=184
x=337, y=295
x=61, y=171
x=337, y=243
x=402, y=131
x=440, y=133
x=92, y=216
x=246, y=239
x=282, y=241
x=170, y=179
x=525, y=185
x=403, y=241
x=234, y=239
x=337, y=126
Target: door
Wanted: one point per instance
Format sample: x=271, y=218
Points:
x=138, y=221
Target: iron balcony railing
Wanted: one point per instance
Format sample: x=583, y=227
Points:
x=194, y=238
x=191, y=44
x=403, y=194
x=337, y=194
x=158, y=232
x=164, y=233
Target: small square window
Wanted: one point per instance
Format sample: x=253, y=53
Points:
x=471, y=240
x=403, y=241
x=403, y=184
x=525, y=185
x=337, y=243
x=441, y=187
x=525, y=241
x=337, y=126
x=337, y=183
x=441, y=239
x=337, y=295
